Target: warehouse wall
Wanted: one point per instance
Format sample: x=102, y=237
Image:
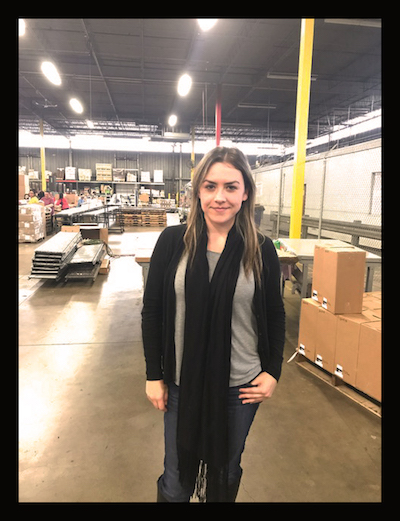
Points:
x=169, y=163
x=352, y=187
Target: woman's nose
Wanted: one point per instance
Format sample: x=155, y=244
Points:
x=219, y=195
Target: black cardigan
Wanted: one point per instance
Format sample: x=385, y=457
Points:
x=158, y=313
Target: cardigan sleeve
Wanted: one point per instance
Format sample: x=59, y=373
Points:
x=152, y=311
x=275, y=310
x=153, y=299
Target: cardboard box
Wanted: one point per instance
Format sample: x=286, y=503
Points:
x=373, y=314
x=325, y=339
x=29, y=209
x=369, y=365
x=372, y=300
x=72, y=199
x=70, y=172
x=105, y=267
x=338, y=278
x=158, y=176
x=375, y=294
x=23, y=185
x=145, y=177
x=307, y=327
x=347, y=342
x=90, y=232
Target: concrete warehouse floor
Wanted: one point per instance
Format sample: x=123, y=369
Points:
x=87, y=432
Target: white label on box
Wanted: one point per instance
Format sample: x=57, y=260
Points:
x=318, y=361
x=302, y=349
x=325, y=303
x=158, y=176
x=339, y=371
x=315, y=295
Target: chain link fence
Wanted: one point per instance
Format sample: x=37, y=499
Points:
x=342, y=197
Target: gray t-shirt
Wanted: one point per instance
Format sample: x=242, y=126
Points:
x=245, y=361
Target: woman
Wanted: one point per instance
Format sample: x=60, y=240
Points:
x=61, y=201
x=32, y=197
x=213, y=327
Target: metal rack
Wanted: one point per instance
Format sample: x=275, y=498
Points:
x=51, y=259
x=86, y=262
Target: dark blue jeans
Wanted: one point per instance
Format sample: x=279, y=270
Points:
x=240, y=418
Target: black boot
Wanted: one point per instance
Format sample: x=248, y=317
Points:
x=213, y=496
x=233, y=490
x=160, y=497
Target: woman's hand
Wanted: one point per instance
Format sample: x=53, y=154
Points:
x=157, y=393
x=263, y=387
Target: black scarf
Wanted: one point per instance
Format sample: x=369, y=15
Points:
x=202, y=435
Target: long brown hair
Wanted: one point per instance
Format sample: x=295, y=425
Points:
x=244, y=218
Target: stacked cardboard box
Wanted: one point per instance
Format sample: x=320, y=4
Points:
x=84, y=174
x=70, y=173
x=103, y=172
x=119, y=174
x=31, y=223
x=340, y=325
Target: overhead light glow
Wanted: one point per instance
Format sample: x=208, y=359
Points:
x=21, y=27
x=76, y=105
x=184, y=84
x=206, y=23
x=172, y=120
x=51, y=72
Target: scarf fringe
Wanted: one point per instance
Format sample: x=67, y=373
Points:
x=200, y=490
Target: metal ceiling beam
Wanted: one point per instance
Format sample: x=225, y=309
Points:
x=363, y=22
x=93, y=53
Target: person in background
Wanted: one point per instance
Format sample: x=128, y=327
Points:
x=47, y=200
x=61, y=201
x=81, y=200
x=32, y=197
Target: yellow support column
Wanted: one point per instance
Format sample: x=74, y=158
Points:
x=303, y=102
x=42, y=156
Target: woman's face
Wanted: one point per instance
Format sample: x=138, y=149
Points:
x=222, y=194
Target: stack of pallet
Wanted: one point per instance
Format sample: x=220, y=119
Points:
x=131, y=217
x=154, y=218
x=143, y=217
x=340, y=326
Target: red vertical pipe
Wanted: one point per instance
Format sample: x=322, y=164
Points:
x=218, y=116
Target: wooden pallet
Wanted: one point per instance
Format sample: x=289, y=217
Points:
x=146, y=218
x=337, y=383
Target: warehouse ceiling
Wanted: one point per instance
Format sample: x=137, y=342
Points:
x=125, y=74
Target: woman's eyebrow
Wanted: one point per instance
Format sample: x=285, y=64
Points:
x=228, y=183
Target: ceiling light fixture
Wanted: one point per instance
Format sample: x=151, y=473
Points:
x=172, y=120
x=21, y=27
x=184, y=84
x=206, y=23
x=89, y=123
x=76, y=105
x=51, y=72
